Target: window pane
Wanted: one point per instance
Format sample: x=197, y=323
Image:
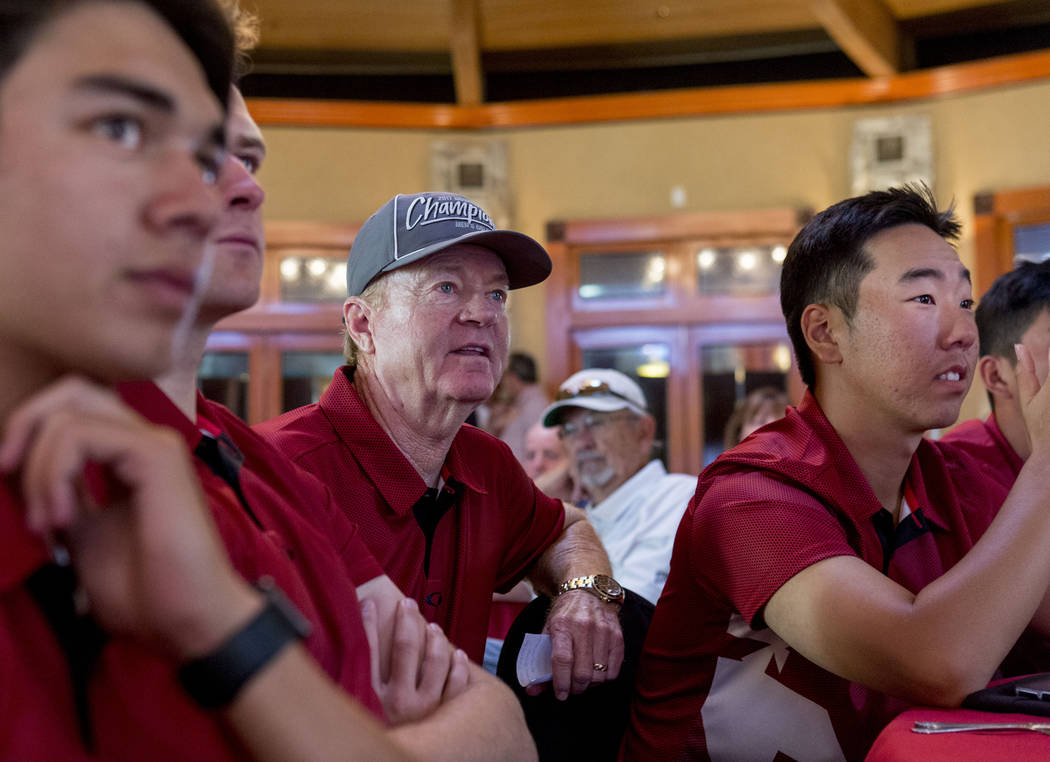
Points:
x=305, y=376
x=313, y=279
x=647, y=364
x=1031, y=243
x=731, y=373
x=223, y=377
x=740, y=270
x=623, y=276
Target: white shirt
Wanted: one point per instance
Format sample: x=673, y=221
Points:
x=637, y=525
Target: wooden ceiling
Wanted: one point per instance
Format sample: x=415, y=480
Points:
x=469, y=53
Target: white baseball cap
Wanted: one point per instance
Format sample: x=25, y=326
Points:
x=601, y=389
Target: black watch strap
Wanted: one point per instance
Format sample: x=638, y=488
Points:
x=213, y=680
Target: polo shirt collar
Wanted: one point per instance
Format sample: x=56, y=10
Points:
x=146, y=398
x=991, y=423
x=844, y=470
x=377, y=455
x=21, y=551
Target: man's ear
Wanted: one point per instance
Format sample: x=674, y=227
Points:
x=997, y=375
x=821, y=326
x=646, y=428
x=357, y=318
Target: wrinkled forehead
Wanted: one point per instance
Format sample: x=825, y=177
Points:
x=466, y=258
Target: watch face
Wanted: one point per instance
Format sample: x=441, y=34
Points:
x=608, y=586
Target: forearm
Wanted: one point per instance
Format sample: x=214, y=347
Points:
x=577, y=552
x=291, y=710
x=994, y=591
x=846, y=616
x=484, y=722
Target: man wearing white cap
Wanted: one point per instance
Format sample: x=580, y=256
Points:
x=635, y=505
x=446, y=508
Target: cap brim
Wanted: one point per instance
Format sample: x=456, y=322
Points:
x=527, y=262
x=554, y=414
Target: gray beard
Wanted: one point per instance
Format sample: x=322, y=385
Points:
x=591, y=480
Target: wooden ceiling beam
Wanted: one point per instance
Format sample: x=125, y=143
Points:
x=866, y=31
x=745, y=99
x=464, y=38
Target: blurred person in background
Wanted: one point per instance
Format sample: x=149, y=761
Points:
x=760, y=407
x=608, y=432
x=517, y=403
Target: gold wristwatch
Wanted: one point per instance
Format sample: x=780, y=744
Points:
x=601, y=585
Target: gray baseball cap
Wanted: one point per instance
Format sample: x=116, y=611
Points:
x=408, y=228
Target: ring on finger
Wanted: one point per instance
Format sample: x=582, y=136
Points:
x=598, y=667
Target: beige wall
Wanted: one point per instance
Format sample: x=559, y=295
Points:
x=986, y=141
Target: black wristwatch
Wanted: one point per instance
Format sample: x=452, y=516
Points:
x=213, y=680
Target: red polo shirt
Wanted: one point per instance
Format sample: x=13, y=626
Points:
x=297, y=541
x=137, y=708
x=984, y=440
x=713, y=680
x=500, y=523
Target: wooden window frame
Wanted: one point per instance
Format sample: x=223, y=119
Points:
x=684, y=318
x=996, y=214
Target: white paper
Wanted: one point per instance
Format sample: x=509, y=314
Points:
x=534, y=659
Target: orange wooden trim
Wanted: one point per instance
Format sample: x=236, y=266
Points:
x=985, y=244
x=940, y=81
x=311, y=234
x=746, y=224
x=314, y=113
x=260, y=382
x=282, y=318
x=557, y=293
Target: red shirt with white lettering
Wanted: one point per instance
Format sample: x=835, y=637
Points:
x=714, y=681
x=497, y=526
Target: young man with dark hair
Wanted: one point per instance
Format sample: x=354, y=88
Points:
x=125, y=630
x=837, y=566
x=436, y=707
x=1015, y=310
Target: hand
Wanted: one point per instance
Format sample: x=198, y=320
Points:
x=557, y=482
x=584, y=631
x=1034, y=399
x=425, y=669
x=147, y=556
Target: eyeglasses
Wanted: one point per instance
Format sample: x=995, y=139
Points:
x=590, y=422
x=590, y=388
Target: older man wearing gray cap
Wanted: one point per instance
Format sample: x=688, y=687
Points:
x=634, y=504
x=446, y=509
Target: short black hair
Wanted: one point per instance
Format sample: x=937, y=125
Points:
x=1010, y=306
x=826, y=261
x=200, y=24
x=523, y=366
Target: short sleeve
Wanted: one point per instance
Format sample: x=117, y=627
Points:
x=751, y=533
x=533, y=521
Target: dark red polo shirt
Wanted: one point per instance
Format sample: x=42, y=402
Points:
x=713, y=679
x=297, y=541
x=998, y=460
x=137, y=708
x=498, y=526
x=984, y=440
